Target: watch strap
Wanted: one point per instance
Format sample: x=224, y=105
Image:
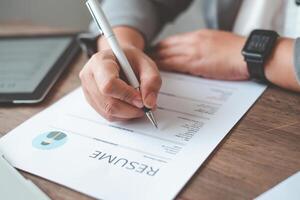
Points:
x=256, y=70
x=259, y=53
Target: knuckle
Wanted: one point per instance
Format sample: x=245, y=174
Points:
x=98, y=56
x=110, y=108
x=107, y=87
x=81, y=75
x=194, y=51
x=83, y=71
x=151, y=62
x=87, y=71
x=153, y=81
x=131, y=50
x=156, y=79
x=84, y=74
x=104, y=54
x=127, y=96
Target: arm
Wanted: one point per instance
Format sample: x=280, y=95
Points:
x=126, y=36
x=281, y=68
x=104, y=88
x=217, y=55
x=135, y=23
x=145, y=16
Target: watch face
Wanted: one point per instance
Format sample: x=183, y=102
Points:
x=260, y=43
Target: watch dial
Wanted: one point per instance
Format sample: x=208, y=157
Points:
x=258, y=43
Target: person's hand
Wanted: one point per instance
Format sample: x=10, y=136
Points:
x=111, y=96
x=206, y=53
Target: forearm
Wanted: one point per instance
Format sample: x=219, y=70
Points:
x=126, y=36
x=280, y=69
x=147, y=16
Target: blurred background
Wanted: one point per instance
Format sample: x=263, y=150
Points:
x=63, y=13
x=73, y=14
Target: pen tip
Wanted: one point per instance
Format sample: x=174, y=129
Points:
x=155, y=124
x=151, y=118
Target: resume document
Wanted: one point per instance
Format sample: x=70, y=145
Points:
x=70, y=144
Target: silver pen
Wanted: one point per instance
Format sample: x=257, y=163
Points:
x=105, y=29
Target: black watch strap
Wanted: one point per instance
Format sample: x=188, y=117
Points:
x=256, y=70
x=257, y=51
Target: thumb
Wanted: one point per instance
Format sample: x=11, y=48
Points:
x=150, y=85
x=149, y=77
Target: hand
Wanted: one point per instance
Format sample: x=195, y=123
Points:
x=206, y=53
x=111, y=96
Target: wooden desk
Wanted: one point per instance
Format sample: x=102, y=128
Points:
x=259, y=152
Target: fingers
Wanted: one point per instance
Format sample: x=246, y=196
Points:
x=173, y=52
x=179, y=53
x=175, y=63
x=106, y=75
x=93, y=103
x=117, y=88
x=172, y=58
x=110, y=96
x=110, y=108
x=150, y=80
x=173, y=41
x=162, y=53
x=115, y=110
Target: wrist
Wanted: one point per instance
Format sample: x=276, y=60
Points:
x=126, y=36
x=240, y=62
x=281, y=57
x=258, y=51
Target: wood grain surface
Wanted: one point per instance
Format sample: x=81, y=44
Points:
x=260, y=151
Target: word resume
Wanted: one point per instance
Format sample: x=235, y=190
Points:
x=71, y=144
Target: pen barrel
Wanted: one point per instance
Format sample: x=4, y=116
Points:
x=99, y=17
x=123, y=61
x=105, y=28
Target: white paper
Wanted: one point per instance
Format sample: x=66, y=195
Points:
x=287, y=189
x=132, y=160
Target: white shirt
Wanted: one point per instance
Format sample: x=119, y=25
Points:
x=282, y=16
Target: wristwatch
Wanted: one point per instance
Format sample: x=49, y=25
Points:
x=257, y=50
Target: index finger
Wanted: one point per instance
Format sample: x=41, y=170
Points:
x=106, y=73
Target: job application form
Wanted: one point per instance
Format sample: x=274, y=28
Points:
x=69, y=143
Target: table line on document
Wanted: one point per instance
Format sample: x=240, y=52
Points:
x=179, y=112
x=161, y=158
x=126, y=129
x=203, y=82
x=188, y=98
